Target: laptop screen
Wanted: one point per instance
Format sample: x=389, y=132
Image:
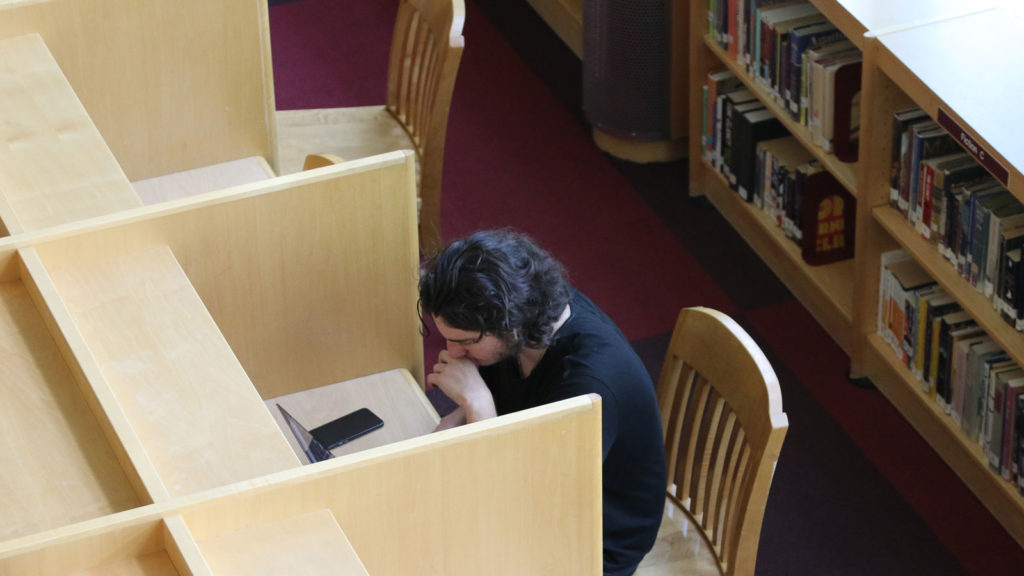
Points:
x=314, y=450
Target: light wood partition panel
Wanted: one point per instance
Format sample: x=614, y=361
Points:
x=119, y=362
x=311, y=277
x=170, y=85
x=517, y=494
x=58, y=466
x=54, y=165
x=122, y=333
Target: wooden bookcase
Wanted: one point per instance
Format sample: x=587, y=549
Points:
x=942, y=55
x=966, y=69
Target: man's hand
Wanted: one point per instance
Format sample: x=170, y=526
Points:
x=460, y=380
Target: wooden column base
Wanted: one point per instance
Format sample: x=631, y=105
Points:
x=641, y=151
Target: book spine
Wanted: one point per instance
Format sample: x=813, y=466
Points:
x=924, y=225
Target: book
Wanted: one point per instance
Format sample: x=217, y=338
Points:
x=821, y=71
x=949, y=324
x=749, y=26
x=909, y=277
x=947, y=392
x=841, y=128
x=901, y=121
x=925, y=300
x=991, y=369
x=735, y=103
x=926, y=140
x=936, y=309
x=751, y=127
x=973, y=211
x=779, y=65
x=794, y=193
x=807, y=90
x=1019, y=433
x=884, y=322
x=1012, y=394
x=718, y=82
x=827, y=221
x=850, y=62
x=768, y=17
x=960, y=385
x=963, y=202
x=1008, y=301
x=953, y=171
x=723, y=104
x=800, y=39
x=979, y=357
x=928, y=204
x=782, y=157
x=977, y=255
x=995, y=418
x=1002, y=220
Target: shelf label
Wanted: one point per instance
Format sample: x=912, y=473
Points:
x=972, y=146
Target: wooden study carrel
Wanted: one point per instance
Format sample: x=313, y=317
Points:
x=140, y=345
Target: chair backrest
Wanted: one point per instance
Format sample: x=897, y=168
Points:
x=721, y=412
x=425, y=52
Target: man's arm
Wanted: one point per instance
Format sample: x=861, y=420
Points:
x=454, y=418
x=460, y=380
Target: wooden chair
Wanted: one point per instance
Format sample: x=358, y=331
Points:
x=721, y=410
x=425, y=51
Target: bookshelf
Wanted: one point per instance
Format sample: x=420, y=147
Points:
x=914, y=54
x=826, y=291
x=921, y=65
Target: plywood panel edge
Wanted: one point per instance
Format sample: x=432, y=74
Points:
x=94, y=387
x=183, y=548
x=374, y=498
x=269, y=96
x=84, y=545
x=589, y=404
x=40, y=238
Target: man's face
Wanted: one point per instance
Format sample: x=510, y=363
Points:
x=483, y=349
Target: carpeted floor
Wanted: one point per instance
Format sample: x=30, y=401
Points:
x=856, y=490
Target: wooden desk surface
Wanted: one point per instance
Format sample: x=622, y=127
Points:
x=393, y=395
x=311, y=543
x=185, y=394
x=55, y=166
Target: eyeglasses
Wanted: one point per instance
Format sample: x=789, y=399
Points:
x=466, y=341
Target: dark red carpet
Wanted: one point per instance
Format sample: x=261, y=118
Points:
x=856, y=490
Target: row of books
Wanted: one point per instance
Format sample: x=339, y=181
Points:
x=954, y=203
x=766, y=165
x=956, y=363
x=735, y=120
x=801, y=59
x=810, y=206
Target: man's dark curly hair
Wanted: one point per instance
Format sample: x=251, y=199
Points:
x=498, y=282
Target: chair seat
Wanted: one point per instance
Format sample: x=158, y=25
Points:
x=350, y=133
x=679, y=549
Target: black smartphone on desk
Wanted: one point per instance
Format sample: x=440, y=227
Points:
x=347, y=428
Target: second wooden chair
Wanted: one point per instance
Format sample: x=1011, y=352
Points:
x=721, y=412
x=426, y=48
